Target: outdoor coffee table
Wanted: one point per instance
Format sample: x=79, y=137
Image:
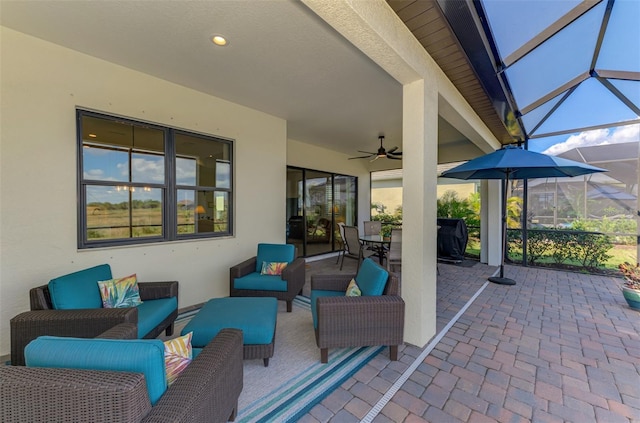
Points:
x=255, y=316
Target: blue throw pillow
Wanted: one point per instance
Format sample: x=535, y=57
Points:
x=371, y=278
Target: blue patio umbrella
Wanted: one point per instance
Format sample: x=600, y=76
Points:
x=513, y=162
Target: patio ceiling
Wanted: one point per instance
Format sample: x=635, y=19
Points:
x=283, y=60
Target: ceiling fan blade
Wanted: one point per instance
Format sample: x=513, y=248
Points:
x=391, y=154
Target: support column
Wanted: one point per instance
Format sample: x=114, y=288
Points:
x=419, y=214
x=490, y=222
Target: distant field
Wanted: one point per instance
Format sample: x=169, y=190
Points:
x=112, y=224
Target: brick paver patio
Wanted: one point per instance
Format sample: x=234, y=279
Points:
x=556, y=347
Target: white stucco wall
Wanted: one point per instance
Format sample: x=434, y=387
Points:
x=41, y=85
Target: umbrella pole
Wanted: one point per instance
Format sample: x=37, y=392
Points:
x=501, y=279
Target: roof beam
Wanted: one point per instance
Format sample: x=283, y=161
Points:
x=603, y=29
x=553, y=109
x=587, y=128
x=622, y=75
x=623, y=98
x=570, y=84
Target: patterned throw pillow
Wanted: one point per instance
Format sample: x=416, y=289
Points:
x=272, y=268
x=353, y=290
x=119, y=293
x=177, y=356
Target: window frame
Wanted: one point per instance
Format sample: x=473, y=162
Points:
x=169, y=188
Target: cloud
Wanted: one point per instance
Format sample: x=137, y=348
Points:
x=185, y=171
x=148, y=170
x=628, y=133
x=93, y=174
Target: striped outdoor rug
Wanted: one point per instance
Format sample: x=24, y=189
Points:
x=295, y=380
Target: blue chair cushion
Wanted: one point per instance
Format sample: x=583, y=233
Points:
x=124, y=355
x=371, y=278
x=80, y=289
x=260, y=282
x=274, y=253
x=255, y=316
x=315, y=294
x=152, y=312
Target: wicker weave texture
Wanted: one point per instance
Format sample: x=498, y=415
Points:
x=358, y=321
x=85, y=323
x=207, y=390
x=64, y=395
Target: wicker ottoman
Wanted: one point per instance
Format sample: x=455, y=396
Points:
x=255, y=316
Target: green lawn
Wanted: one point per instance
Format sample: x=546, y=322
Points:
x=619, y=254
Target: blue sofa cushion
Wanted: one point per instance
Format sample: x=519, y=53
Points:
x=125, y=355
x=315, y=294
x=274, y=253
x=260, y=282
x=80, y=289
x=152, y=312
x=371, y=278
x=255, y=316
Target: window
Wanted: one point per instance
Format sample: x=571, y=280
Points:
x=140, y=183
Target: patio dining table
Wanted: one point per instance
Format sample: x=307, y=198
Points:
x=378, y=242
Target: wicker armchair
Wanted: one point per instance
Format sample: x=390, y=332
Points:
x=293, y=275
x=81, y=323
x=358, y=321
x=207, y=390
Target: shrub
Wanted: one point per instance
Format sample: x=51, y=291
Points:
x=588, y=249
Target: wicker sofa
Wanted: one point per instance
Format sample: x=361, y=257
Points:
x=44, y=319
x=342, y=321
x=206, y=391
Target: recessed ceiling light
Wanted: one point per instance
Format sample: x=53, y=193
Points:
x=219, y=40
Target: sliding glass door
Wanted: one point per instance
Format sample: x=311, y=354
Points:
x=316, y=202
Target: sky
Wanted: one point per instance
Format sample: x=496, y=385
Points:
x=110, y=165
x=556, y=145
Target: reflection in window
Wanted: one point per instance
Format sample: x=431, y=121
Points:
x=126, y=177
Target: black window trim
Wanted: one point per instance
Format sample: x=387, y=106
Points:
x=170, y=187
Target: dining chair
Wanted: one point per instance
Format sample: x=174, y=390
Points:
x=372, y=227
x=353, y=248
x=394, y=255
x=343, y=248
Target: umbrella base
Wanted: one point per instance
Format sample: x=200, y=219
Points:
x=502, y=281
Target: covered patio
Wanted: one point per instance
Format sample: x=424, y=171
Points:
x=556, y=347
x=308, y=84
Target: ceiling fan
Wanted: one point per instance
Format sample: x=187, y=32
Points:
x=391, y=154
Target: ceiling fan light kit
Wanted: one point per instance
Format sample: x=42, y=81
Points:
x=392, y=154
